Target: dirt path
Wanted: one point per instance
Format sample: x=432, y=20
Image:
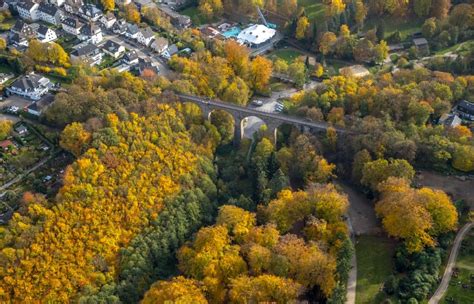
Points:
x=449, y=267
x=361, y=211
x=456, y=188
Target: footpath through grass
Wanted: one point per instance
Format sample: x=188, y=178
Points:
x=374, y=265
x=461, y=286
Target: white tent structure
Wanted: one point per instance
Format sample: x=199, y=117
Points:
x=256, y=35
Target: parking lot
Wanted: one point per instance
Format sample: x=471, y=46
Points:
x=15, y=101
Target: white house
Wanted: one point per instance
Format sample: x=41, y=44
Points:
x=108, y=20
x=28, y=10
x=58, y=3
x=130, y=58
x=23, y=29
x=88, y=54
x=113, y=49
x=38, y=107
x=132, y=31
x=91, y=32
x=18, y=40
x=159, y=45
x=32, y=86
x=45, y=34
x=72, y=6
x=145, y=36
x=170, y=51
x=90, y=12
x=50, y=13
x=119, y=27
x=72, y=26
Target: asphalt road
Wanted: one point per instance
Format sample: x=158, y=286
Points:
x=443, y=286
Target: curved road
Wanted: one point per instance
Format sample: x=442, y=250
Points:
x=439, y=293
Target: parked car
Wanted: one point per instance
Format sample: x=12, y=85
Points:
x=257, y=103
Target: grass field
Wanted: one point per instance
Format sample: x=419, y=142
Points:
x=459, y=48
x=465, y=263
x=406, y=27
x=289, y=55
x=194, y=14
x=314, y=9
x=374, y=265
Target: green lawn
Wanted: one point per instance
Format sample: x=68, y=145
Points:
x=196, y=17
x=465, y=264
x=314, y=9
x=406, y=27
x=289, y=55
x=459, y=48
x=374, y=265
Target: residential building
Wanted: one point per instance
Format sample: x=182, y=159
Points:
x=120, y=27
x=465, y=110
x=45, y=34
x=88, y=54
x=90, y=12
x=21, y=129
x=28, y=10
x=170, y=51
x=72, y=26
x=5, y=77
x=159, y=45
x=144, y=4
x=113, y=49
x=177, y=4
x=178, y=20
x=132, y=31
x=73, y=6
x=91, y=32
x=50, y=13
x=58, y=3
x=145, y=36
x=145, y=68
x=22, y=28
x=38, y=107
x=210, y=32
x=108, y=20
x=256, y=35
x=123, y=2
x=422, y=46
x=19, y=41
x=32, y=86
x=130, y=58
x=450, y=120
x=6, y=144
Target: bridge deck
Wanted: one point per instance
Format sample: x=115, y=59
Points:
x=214, y=104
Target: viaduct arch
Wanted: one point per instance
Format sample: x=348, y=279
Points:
x=271, y=120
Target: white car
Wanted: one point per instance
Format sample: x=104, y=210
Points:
x=257, y=103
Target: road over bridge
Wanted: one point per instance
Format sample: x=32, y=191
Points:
x=239, y=113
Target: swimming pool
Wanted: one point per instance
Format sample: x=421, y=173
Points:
x=232, y=32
